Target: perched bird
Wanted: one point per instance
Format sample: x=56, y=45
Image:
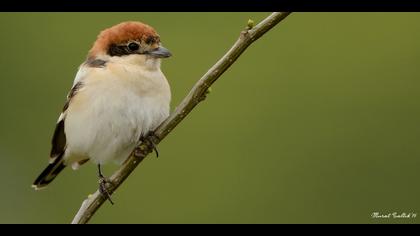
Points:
x=119, y=95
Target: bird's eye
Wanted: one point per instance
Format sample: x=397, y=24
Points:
x=133, y=46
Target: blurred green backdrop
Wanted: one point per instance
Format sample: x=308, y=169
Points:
x=317, y=122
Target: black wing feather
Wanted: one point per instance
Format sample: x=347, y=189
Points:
x=58, y=140
x=58, y=146
x=59, y=137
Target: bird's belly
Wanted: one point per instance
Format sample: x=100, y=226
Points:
x=108, y=127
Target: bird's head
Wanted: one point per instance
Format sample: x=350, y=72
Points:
x=129, y=39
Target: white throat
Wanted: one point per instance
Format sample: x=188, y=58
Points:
x=144, y=61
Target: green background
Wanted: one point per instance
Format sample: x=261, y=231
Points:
x=317, y=122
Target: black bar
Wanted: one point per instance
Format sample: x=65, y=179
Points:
x=211, y=5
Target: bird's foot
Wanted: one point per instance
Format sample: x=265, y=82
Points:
x=149, y=141
x=104, y=184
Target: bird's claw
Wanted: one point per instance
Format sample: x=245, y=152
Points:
x=148, y=140
x=103, y=188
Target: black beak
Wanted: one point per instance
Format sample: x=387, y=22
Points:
x=160, y=52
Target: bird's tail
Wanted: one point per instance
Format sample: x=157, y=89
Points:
x=49, y=174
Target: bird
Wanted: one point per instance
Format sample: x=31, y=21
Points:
x=118, y=97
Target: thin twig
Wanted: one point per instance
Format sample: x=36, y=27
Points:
x=195, y=96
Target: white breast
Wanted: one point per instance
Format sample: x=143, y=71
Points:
x=116, y=105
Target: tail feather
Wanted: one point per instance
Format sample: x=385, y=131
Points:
x=49, y=173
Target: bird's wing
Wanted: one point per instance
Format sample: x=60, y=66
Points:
x=59, y=142
x=59, y=137
x=58, y=146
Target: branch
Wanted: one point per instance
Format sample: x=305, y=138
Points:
x=195, y=96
